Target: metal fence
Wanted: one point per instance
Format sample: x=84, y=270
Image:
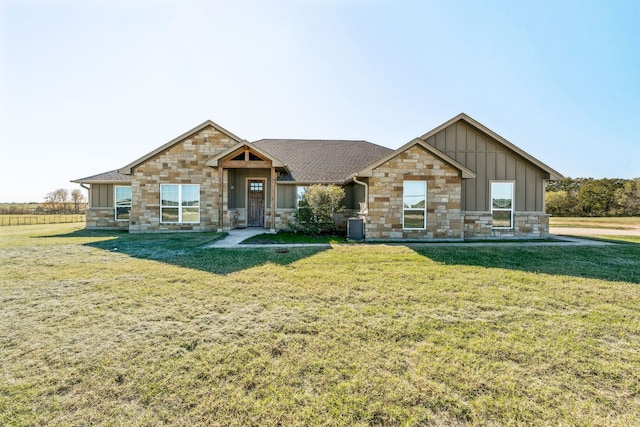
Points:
x=8, y=219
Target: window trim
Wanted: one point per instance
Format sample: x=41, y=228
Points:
x=426, y=190
x=511, y=209
x=115, y=202
x=180, y=206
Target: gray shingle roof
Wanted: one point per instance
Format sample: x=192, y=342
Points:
x=111, y=176
x=315, y=160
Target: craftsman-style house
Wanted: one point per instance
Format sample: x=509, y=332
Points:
x=459, y=181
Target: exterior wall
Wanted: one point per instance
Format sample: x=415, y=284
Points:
x=444, y=186
x=490, y=160
x=104, y=218
x=477, y=225
x=101, y=196
x=183, y=163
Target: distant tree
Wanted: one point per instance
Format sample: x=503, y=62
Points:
x=597, y=197
x=57, y=200
x=77, y=197
x=628, y=197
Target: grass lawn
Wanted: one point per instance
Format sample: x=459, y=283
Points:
x=288, y=237
x=109, y=328
x=620, y=223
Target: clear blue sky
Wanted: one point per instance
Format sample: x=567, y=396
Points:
x=88, y=86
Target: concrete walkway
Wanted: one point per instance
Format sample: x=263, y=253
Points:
x=237, y=236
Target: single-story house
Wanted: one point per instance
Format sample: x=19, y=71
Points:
x=458, y=181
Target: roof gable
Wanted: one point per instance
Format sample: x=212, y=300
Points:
x=464, y=171
x=553, y=174
x=237, y=149
x=128, y=168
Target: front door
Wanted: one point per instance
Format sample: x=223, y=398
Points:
x=255, y=205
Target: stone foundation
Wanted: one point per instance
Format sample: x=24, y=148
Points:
x=527, y=225
x=104, y=219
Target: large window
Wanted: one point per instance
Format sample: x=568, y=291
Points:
x=414, y=203
x=180, y=203
x=502, y=204
x=123, y=203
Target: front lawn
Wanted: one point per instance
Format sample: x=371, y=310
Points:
x=288, y=237
x=109, y=328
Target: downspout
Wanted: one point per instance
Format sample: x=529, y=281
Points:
x=366, y=191
x=88, y=194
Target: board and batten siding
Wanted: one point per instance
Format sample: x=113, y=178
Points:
x=238, y=179
x=101, y=196
x=491, y=161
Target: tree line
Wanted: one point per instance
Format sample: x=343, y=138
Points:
x=60, y=201
x=593, y=197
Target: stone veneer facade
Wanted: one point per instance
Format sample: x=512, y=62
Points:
x=444, y=187
x=104, y=219
x=183, y=163
x=531, y=225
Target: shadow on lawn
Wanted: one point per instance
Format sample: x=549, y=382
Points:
x=186, y=250
x=613, y=263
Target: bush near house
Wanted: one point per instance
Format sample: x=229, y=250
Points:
x=316, y=211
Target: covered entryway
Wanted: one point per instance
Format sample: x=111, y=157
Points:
x=255, y=202
x=246, y=187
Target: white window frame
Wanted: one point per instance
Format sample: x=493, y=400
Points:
x=511, y=209
x=405, y=209
x=179, y=207
x=116, y=205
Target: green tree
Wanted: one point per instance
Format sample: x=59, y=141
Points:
x=597, y=197
x=316, y=211
x=627, y=197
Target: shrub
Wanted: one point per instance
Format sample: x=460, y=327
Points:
x=316, y=211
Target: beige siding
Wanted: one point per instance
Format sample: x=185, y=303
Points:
x=491, y=161
x=286, y=196
x=101, y=196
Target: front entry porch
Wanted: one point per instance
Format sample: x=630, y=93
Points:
x=247, y=188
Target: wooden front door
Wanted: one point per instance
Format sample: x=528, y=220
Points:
x=255, y=205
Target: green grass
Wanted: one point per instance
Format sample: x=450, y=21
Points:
x=284, y=237
x=619, y=223
x=115, y=329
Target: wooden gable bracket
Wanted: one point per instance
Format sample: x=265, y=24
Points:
x=245, y=157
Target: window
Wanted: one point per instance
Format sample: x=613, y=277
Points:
x=123, y=203
x=256, y=186
x=300, y=190
x=502, y=204
x=414, y=205
x=180, y=203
